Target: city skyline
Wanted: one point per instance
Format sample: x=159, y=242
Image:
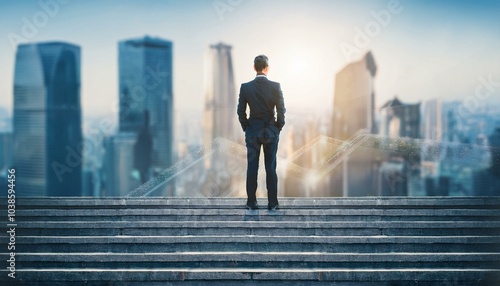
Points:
x=146, y=108
x=424, y=49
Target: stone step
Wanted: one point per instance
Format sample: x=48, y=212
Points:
x=255, y=243
x=238, y=203
x=215, y=241
x=258, y=260
x=261, y=215
x=327, y=228
x=403, y=276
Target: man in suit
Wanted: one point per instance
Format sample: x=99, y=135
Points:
x=262, y=129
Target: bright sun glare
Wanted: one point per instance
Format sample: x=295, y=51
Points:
x=298, y=71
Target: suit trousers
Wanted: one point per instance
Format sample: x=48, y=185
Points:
x=270, y=146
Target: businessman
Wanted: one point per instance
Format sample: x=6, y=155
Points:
x=262, y=130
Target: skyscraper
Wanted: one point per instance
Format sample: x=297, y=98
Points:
x=220, y=118
x=354, y=99
x=353, y=110
x=47, y=120
x=145, y=84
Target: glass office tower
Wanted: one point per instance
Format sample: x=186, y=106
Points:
x=145, y=85
x=47, y=120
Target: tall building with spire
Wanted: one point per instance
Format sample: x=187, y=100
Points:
x=220, y=118
x=47, y=120
x=145, y=85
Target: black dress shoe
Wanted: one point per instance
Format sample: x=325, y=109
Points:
x=273, y=207
x=252, y=206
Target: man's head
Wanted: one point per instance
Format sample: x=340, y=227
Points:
x=261, y=64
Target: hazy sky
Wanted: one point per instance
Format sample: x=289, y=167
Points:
x=424, y=49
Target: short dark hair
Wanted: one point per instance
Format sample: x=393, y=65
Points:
x=260, y=62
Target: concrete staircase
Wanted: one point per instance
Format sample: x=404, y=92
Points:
x=215, y=241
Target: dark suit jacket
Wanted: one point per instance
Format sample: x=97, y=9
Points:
x=262, y=96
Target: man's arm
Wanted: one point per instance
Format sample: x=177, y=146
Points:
x=242, y=110
x=280, y=108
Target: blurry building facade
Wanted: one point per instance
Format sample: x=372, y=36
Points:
x=145, y=79
x=220, y=118
x=452, y=121
x=432, y=130
x=432, y=120
x=393, y=179
x=494, y=143
x=220, y=123
x=399, y=125
x=307, y=148
x=47, y=120
x=353, y=111
x=6, y=144
x=145, y=85
x=354, y=98
x=487, y=181
x=398, y=119
x=118, y=165
x=88, y=184
x=5, y=120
